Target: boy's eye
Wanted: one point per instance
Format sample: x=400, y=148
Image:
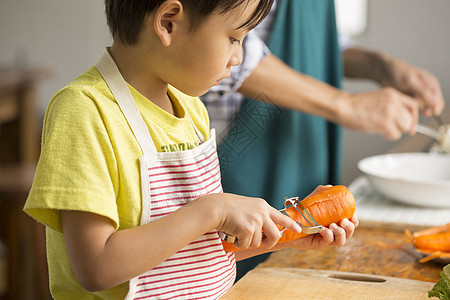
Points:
x=234, y=41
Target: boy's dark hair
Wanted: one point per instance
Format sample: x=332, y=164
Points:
x=126, y=17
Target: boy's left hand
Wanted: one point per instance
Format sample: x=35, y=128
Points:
x=333, y=235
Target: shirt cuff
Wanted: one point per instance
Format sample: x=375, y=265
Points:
x=345, y=41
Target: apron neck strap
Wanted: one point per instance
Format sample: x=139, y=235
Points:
x=108, y=69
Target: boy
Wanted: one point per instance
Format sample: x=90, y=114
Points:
x=128, y=183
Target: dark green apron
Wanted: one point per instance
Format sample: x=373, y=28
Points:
x=275, y=153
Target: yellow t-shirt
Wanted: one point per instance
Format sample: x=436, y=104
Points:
x=90, y=162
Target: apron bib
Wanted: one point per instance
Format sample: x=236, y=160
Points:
x=169, y=180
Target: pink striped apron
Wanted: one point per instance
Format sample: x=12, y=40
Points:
x=169, y=180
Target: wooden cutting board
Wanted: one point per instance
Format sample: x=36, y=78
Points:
x=293, y=283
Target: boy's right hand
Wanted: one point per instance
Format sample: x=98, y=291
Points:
x=247, y=218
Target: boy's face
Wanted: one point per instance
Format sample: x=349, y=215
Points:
x=201, y=58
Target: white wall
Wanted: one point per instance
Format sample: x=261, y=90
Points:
x=68, y=36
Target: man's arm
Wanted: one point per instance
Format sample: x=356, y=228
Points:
x=386, y=111
x=389, y=71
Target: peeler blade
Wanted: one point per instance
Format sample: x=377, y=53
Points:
x=311, y=229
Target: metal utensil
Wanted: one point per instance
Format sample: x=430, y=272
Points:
x=295, y=202
x=438, y=120
x=312, y=226
x=442, y=135
x=428, y=131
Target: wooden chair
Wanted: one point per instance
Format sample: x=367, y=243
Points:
x=24, y=238
x=3, y=264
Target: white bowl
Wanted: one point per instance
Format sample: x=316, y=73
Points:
x=413, y=178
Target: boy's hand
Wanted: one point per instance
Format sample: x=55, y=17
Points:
x=334, y=235
x=247, y=218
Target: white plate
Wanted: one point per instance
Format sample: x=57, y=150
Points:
x=413, y=178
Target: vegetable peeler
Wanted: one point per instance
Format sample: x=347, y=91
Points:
x=312, y=227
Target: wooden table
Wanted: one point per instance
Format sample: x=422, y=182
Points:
x=375, y=248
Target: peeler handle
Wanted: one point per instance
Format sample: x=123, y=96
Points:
x=232, y=239
x=226, y=237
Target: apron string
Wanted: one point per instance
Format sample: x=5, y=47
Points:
x=121, y=92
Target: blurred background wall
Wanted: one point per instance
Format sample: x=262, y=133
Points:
x=66, y=36
x=69, y=36
x=414, y=30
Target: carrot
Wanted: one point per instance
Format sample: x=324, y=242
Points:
x=330, y=205
x=438, y=241
x=434, y=238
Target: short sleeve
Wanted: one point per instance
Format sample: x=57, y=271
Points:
x=77, y=169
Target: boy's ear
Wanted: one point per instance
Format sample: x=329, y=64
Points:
x=168, y=18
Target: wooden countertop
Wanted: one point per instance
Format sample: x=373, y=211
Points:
x=375, y=248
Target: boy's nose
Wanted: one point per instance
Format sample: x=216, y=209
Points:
x=236, y=58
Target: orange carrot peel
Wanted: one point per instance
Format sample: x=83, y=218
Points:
x=434, y=242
